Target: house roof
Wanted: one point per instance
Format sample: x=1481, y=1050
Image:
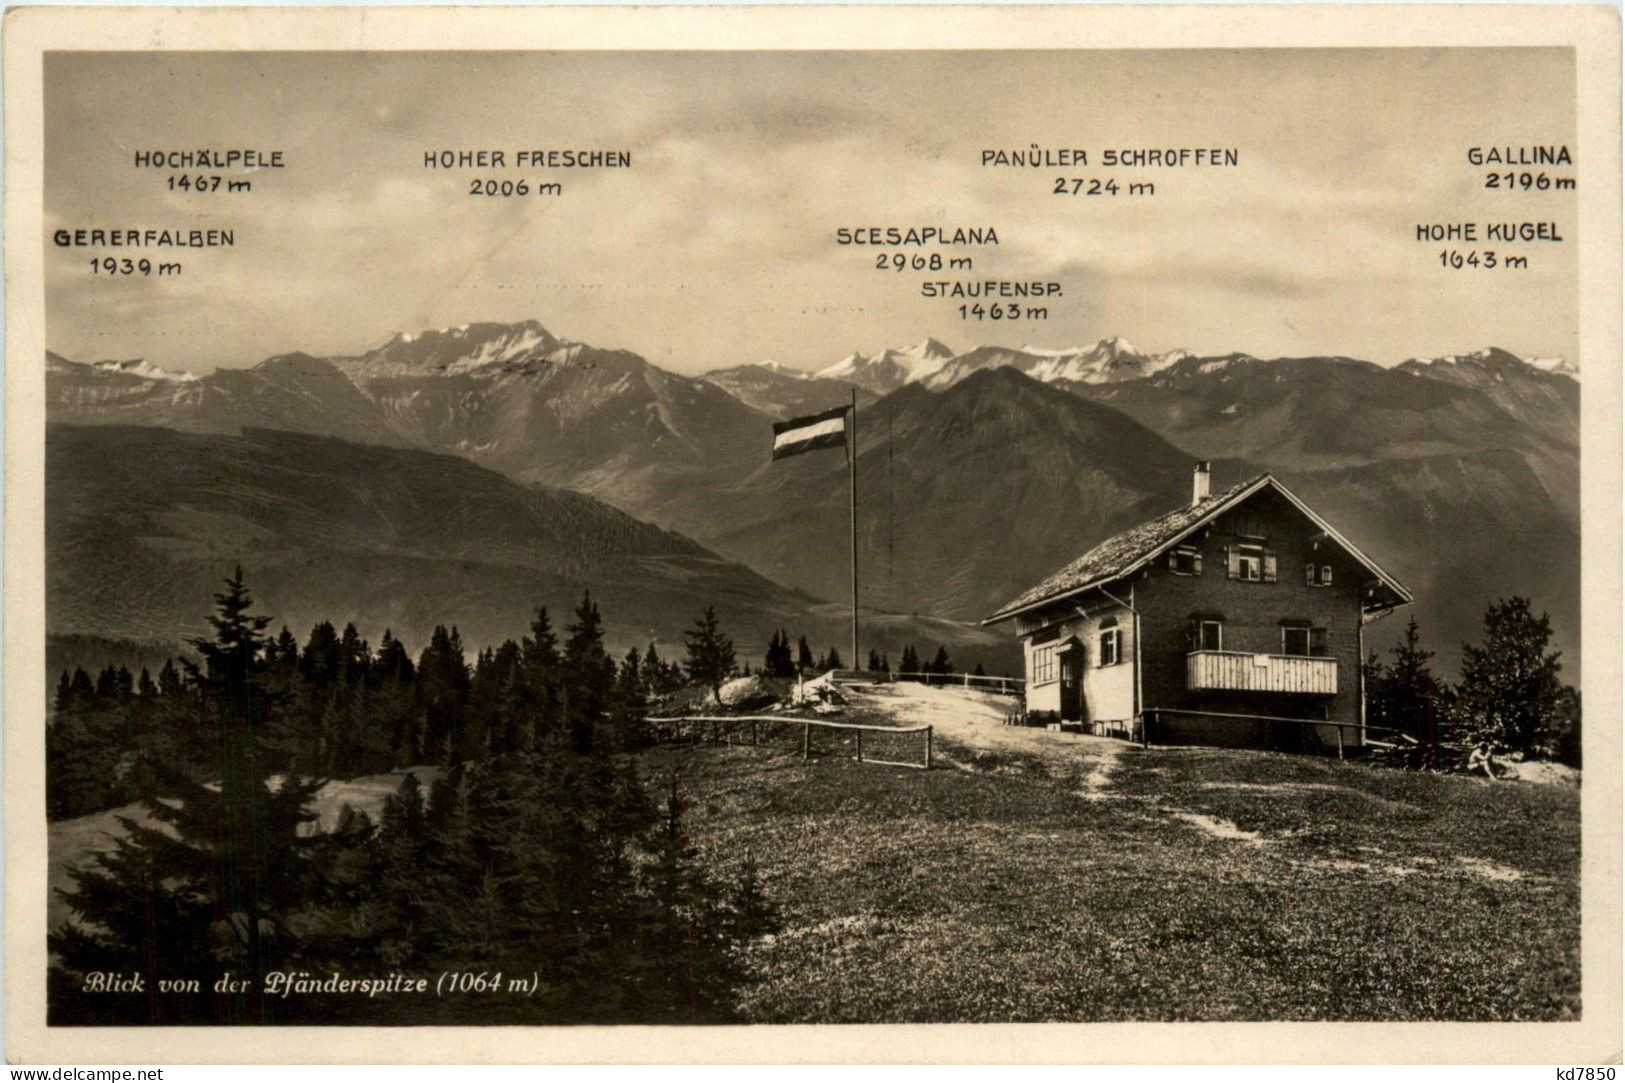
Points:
x=1127, y=552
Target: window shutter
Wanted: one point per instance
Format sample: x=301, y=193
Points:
x=1173, y=561
x=1232, y=561
x=1326, y=574
x=1269, y=565
x=1198, y=562
x=1309, y=574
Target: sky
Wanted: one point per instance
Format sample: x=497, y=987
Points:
x=717, y=247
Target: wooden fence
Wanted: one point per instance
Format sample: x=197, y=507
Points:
x=1008, y=685
x=893, y=746
x=1153, y=716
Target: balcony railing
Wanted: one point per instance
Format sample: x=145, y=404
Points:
x=1240, y=672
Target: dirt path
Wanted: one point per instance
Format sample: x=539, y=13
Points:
x=972, y=722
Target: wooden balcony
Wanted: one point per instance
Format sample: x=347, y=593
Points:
x=1239, y=672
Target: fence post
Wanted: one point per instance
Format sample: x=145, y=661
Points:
x=1339, y=742
x=1433, y=737
x=806, y=740
x=860, y=745
x=1145, y=728
x=928, y=748
x=753, y=732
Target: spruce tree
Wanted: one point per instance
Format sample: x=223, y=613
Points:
x=588, y=676
x=170, y=685
x=213, y=891
x=443, y=684
x=804, y=656
x=687, y=935
x=778, y=662
x=1406, y=686
x=710, y=653
x=540, y=659
x=630, y=703
x=1510, y=691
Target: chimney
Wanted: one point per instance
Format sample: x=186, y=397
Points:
x=1199, y=483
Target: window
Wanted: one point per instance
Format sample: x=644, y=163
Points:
x=1043, y=664
x=1111, y=646
x=1185, y=560
x=1250, y=563
x=1300, y=639
x=1317, y=575
x=1210, y=635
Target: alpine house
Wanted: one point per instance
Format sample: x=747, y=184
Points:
x=1237, y=620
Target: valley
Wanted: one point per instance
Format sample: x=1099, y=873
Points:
x=980, y=471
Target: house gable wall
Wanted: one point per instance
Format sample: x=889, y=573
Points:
x=1252, y=615
x=1108, y=690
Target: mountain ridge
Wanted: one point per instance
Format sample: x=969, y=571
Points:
x=691, y=453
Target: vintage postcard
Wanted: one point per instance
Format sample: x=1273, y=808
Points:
x=614, y=533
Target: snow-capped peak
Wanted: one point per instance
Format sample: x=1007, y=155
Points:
x=463, y=348
x=144, y=369
x=1558, y=365
x=1489, y=356
x=782, y=369
x=891, y=368
x=926, y=349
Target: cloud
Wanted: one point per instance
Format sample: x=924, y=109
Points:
x=717, y=246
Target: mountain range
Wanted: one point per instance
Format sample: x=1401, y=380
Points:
x=979, y=472
x=142, y=522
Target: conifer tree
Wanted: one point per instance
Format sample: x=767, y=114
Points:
x=710, y=653
x=588, y=676
x=443, y=685
x=1404, y=688
x=630, y=704
x=687, y=936
x=910, y=662
x=214, y=890
x=778, y=662
x=83, y=690
x=1510, y=691
x=804, y=656
x=539, y=657
x=170, y=685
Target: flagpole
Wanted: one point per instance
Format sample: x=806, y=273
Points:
x=852, y=475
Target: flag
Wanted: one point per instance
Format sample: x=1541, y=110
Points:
x=810, y=433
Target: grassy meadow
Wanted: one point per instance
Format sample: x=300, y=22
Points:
x=1040, y=876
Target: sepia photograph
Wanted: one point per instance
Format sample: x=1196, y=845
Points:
x=730, y=536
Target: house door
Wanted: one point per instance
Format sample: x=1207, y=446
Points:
x=1072, y=684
